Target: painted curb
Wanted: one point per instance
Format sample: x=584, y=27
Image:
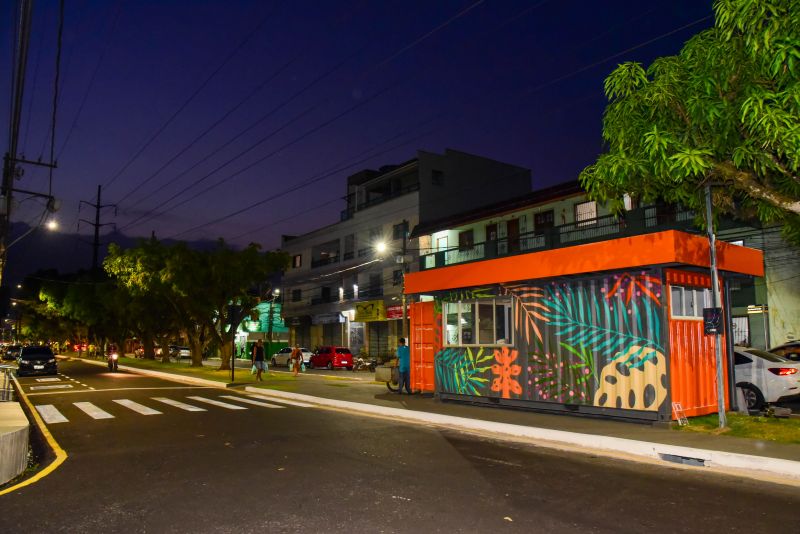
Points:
x=775, y=467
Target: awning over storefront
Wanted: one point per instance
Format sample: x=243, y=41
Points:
x=661, y=248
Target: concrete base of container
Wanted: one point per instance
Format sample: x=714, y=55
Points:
x=14, y=435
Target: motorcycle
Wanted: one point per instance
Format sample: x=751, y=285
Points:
x=361, y=364
x=113, y=364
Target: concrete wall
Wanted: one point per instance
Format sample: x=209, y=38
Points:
x=467, y=182
x=14, y=434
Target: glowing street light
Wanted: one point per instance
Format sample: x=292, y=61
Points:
x=380, y=247
x=52, y=224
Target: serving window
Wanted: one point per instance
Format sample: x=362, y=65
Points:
x=688, y=302
x=482, y=322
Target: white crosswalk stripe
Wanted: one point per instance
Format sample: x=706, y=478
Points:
x=93, y=411
x=283, y=401
x=136, y=407
x=218, y=403
x=50, y=414
x=178, y=404
x=251, y=401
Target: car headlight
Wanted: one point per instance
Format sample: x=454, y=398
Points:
x=51, y=360
x=26, y=362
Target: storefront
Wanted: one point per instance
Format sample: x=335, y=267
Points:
x=611, y=328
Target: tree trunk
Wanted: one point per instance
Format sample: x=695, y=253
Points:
x=225, y=355
x=196, y=348
x=149, y=347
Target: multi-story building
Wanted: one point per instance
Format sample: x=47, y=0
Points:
x=344, y=284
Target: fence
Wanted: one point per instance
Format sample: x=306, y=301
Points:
x=6, y=383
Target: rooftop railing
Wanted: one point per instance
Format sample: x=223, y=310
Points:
x=633, y=222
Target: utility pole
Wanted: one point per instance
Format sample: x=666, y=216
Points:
x=715, y=305
x=97, y=224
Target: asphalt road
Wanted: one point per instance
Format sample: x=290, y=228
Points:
x=302, y=469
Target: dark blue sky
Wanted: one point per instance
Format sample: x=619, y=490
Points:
x=331, y=83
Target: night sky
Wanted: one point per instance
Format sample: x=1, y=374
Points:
x=326, y=88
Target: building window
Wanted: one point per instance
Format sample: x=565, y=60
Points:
x=297, y=260
x=399, y=231
x=688, y=302
x=483, y=322
x=543, y=221
x=586, y=213
x=297, y=295
x=397, y=277
x=466, y=240
x=437, y=177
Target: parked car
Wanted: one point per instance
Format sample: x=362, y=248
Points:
x=282, y=356
x=178, y=352
x=765, y=377
x=331, y=357
x=790, y=350
x=36, y=361
x=12, y=352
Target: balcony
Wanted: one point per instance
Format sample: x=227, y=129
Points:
x=320, y=262
x=634, y=222
x=347, y=214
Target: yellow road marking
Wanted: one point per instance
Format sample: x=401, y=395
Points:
x=61, y=454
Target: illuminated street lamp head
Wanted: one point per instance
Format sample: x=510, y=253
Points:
x=380, y=247
x=52, y=224
x=276, y=291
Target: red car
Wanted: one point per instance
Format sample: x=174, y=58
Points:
x=331, y=357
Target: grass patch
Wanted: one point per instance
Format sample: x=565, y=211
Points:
x=744, y=426
x=209, y=373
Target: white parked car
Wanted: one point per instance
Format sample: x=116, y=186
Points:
x=282, y=356
x=765, y=377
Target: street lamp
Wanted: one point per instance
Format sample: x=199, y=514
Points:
x=52, y=225
x=380, y=247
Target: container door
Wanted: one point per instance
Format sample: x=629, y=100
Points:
x=422, y=346
x=693, y=367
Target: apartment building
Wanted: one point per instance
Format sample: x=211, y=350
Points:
x=345, y=283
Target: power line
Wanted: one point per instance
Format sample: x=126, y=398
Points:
x=528, y=91
x=191, y=98
x=104, y=49
x=389, y=58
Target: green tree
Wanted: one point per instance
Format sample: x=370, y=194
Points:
x=200, y=286
x=725, y=110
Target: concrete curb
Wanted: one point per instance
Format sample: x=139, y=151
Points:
x=560, y=439
x=14, y=435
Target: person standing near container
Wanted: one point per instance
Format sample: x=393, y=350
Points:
x=258, y=359
x=403, y=367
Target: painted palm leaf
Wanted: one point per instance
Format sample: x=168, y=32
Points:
x=528, y=309
x=606, y=326
x=462, y=371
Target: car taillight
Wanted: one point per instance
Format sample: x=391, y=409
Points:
x=782, y=371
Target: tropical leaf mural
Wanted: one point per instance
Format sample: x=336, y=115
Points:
x=608, y=325
x=636, y=284
x=506, y=372
x=528, y=308
x=462, y=371
x=566, y=376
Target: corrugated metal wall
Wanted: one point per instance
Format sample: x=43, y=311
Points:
x=424, y=345
x=595, y=341
x=693, y=372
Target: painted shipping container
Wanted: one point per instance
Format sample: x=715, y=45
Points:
x=593, y=342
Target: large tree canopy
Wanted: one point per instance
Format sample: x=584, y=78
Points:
x=725, y=110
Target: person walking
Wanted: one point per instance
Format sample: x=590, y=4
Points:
x=403, y=367
x=258, y=359
x=296, y=359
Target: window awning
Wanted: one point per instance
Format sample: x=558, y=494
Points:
x=661, y=248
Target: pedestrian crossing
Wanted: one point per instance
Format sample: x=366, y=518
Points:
x=52, y=415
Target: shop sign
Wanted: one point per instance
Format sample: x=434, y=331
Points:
x=394, y=312
x=370, y=310
x=327, y=318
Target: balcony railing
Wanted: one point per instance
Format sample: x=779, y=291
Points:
x=348, y=213
x=634, y=222
x=324, y=261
